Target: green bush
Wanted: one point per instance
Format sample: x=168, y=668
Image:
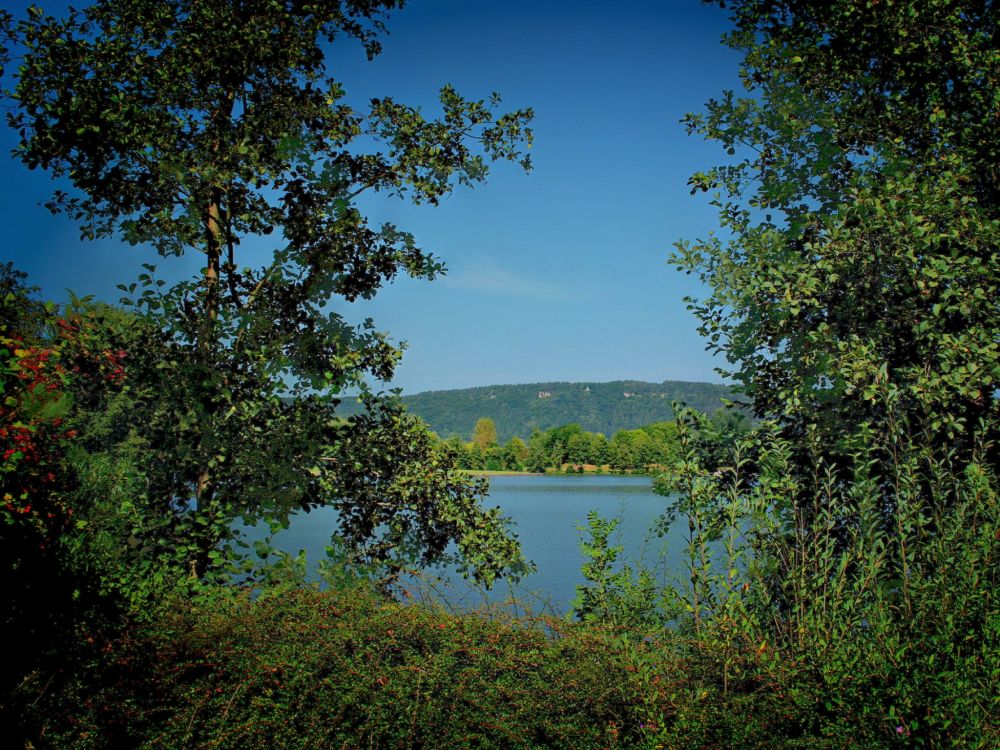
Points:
x=301, y=668
x=865, y=594
x=309, y=669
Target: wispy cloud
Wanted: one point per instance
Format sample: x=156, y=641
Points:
x=482, y=273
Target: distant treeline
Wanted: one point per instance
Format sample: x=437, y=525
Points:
x=573, y=449
x=519, y=410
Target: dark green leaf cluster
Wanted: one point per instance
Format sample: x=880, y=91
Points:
x=204, y=127
x=847, y=548
x=859, y=252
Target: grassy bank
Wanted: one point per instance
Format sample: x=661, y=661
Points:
x=552, y=472
x=498, y=473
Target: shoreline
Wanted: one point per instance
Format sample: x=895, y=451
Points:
x=511, y=473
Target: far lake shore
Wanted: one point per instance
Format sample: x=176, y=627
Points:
x=552, y=473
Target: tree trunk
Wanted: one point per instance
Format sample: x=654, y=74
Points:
x=205, y=345
x=215, y=241
x=213, y=265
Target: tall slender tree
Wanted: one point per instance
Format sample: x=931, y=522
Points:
x=213, y=127
x=484, y=434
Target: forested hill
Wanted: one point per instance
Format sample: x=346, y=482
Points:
x=596, y=407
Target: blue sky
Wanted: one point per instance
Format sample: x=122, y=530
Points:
x=560, y=274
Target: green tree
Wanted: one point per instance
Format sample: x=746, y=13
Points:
x=861, y=220
x=484, y=434
x=861, y=214
x=59, y=558
x=558, y=439
x=515, y=454
x=598, y=448
x=664, y=437
x=578, y=448
x=459, y=452
x=539, y=458
x=622, y=453
x=853, y=291
x=201, y=127
x=475, y=456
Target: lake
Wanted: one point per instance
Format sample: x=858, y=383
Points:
x=546, y=511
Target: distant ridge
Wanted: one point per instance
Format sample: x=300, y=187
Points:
x=597, y=407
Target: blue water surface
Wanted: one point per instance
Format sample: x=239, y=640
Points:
x=546, y=511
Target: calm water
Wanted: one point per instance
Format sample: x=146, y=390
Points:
x=546, y=511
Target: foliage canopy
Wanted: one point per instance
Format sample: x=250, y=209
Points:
x=858, y=264
x=214, y=128
x=851, y=539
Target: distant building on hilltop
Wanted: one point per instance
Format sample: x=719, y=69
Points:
x=544, y=394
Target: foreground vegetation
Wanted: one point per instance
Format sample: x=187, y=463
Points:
x=842, y=582
x=793, y=634
x=303, y=668
x=298, y=667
